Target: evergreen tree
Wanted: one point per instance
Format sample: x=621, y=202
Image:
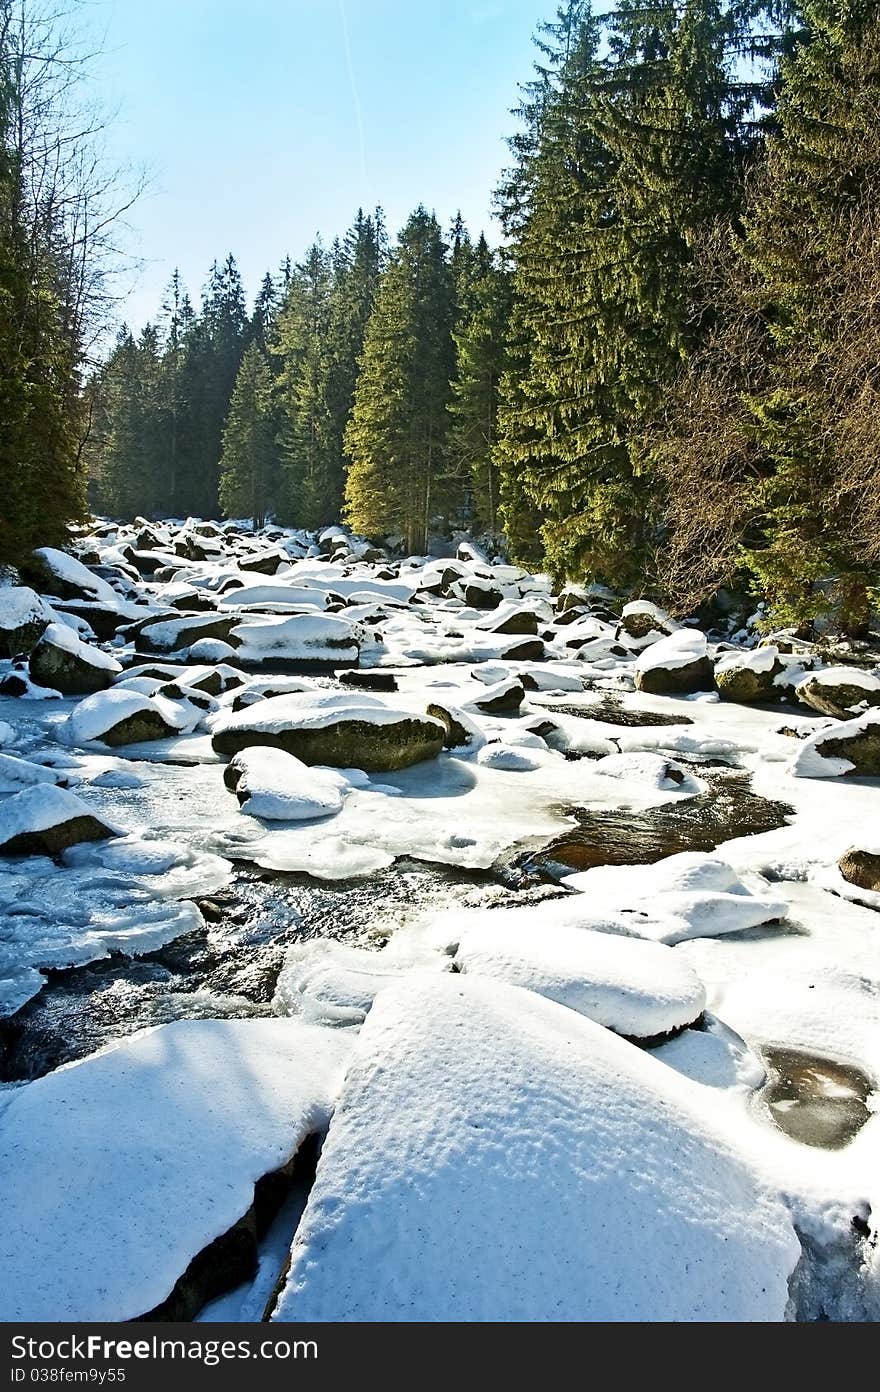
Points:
x=480, y=361
x=249, y=455
x=211, y=359
x=40, y=350
x=631, y=155
x=309, y=453
x=397, y=434
x=810, y=240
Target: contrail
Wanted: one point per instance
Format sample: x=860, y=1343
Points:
x=354, y=94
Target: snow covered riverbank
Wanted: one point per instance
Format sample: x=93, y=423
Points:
x=566, y=1072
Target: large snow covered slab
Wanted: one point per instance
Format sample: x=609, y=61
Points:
x=498, y=1157
x=690, y=895
x=302, y=638
x=119, y=1169
x=344, y=731
x=634, y=987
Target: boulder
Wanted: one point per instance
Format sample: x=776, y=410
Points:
x=675, y=666
x=861, y=868
x=852, y=747
x=338, y=729
x=24, y=616
x=169, y=635
x=46, y=820
x=842, y=692
x=122, y=716
x=510, y=618
x=279, y=787
x=62, y=661
x=56, y=573
x=502, y=698
x=640, y=619
x=746, y=676
x=477, y=593
x=461, y=729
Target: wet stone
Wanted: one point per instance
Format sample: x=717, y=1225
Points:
x=815, y=1100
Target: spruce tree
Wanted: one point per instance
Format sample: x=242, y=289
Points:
x=480, y=361
x=310, y=459
x=810, y=242
x=397, y=435
x=249, y=453
x=631, y=154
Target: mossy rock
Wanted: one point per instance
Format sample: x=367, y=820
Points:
x=698, y=675
x=744, y=685
x=346, y=743
x=51, y=841
x=138, y=729
x=862, y=750
x=67, y=672
x=843, y=700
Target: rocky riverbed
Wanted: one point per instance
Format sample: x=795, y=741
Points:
x=539, y=900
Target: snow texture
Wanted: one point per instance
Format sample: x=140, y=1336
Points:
x=496, y=1157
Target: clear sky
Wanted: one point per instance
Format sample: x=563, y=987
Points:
x=263, y=122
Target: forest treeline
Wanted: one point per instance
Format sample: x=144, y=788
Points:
x=665, y=379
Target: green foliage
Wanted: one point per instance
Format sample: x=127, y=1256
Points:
x=41, y=477
x=247, y=464
x=396, y=437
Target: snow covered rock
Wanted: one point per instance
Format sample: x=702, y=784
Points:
x=842, y=692
x=477, y=593
x=502, y=698
x=749, y=675
x=300, y=638
x=506, y=757
x=850, y=747
x=147, y=1153
x=16, y=774
x=61, y=661
x=496, y=1157
x=169, y=635
x=640, y=619
x=636, y=988
x=510, y=617
x=56, y=573
x=23, y=617
x=651, y=769
x=272, y=784
x=462, y=731
x=45, y=820
x=123, y=716
x=675, y=666
x=340, y=729
x=690, y=895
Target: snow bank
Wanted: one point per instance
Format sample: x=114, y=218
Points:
x=122, y=1167
x=496, y=1157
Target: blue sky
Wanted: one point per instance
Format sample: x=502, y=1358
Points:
x=259, y=125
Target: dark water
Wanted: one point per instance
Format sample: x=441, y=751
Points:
x=227, y=968
x=815, y=1100
x=615, y=836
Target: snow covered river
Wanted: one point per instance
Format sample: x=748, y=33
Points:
x=540, y=891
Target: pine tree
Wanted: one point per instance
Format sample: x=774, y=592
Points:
x=397, y=435
x=810, y=244
x=249, y=452
x=309, y=454
x=630, y=155
x=480, y=361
